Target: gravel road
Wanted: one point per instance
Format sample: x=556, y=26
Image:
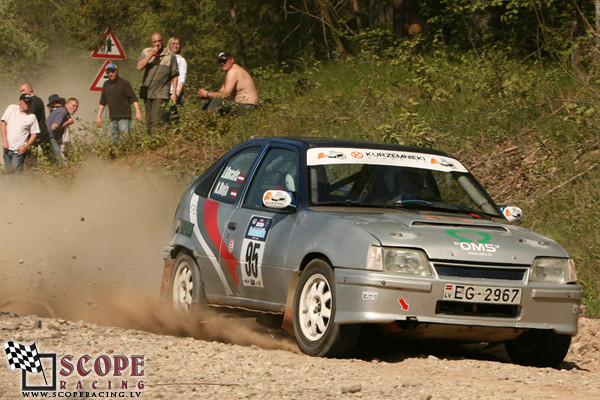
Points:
x=234, y=357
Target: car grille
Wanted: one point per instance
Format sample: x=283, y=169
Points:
x=478, y=271
x=477, y=309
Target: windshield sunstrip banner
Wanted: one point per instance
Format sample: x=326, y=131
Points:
x=341, y=155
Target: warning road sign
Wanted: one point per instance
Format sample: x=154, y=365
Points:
x=100, y=78
x=110, y=47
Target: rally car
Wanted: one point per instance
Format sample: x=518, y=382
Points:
x=335, y=234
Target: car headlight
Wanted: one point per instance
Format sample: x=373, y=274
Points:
x=401, y=261
x=553, y=270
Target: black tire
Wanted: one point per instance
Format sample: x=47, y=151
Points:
x=186, y=288
x=538, y=348
x=314, y=313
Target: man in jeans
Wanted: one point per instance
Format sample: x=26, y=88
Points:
x=160, y=72
x=19, y=131
x=119, y=95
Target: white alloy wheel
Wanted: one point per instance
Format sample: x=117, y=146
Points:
x=315, y=329
x=315, y=307
x=183, y=286
x=186, y=287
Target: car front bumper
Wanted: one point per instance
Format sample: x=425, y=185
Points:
x=373, y=297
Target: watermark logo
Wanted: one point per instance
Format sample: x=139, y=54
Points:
x=102, y=376
x=28, y=359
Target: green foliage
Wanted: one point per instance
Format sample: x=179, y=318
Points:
x=19, y=45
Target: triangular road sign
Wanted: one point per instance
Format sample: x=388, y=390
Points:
x=110, y=47
x=100, y=78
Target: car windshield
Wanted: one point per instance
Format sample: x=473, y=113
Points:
x=394, y=179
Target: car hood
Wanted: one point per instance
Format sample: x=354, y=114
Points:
x=456, y=237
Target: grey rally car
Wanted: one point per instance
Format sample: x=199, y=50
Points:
x=336, y=234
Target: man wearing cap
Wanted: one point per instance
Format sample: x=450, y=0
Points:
x=19, y=130
x=42, y=139
x=160, y=72
x=119, y=95
x=238, y=86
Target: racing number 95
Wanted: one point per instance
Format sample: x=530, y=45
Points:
x=252, y=259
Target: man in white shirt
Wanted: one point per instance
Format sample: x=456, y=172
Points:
x=19, y=131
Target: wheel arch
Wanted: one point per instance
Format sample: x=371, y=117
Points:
x=288, y=317
x=172, y=255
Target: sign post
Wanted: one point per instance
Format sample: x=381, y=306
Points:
x=109, y=49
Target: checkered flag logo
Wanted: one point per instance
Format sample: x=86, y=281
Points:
x=23, y=357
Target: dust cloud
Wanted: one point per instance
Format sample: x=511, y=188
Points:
x=92, y=250
x=64, y=249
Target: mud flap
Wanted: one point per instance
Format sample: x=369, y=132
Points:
x=288, y=317
x=166, y=278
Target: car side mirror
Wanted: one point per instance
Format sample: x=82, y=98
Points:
x=278, y=200
x=512, y=214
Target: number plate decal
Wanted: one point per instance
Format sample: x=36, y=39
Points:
x=253, y=248
x=482, y=294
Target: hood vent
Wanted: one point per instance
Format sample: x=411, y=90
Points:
x=495, y=228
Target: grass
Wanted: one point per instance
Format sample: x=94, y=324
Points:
x=528, y=132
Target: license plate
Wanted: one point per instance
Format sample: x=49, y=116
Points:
x=482, y=294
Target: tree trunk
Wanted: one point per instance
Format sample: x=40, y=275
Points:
x=577, y=30
x=380, y=14
x=356, y=12
x=597, y=15
x=326, y=6
x=239, y=39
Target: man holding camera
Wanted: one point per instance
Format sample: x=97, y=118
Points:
x=160, y=71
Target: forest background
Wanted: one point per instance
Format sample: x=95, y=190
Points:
x=511, y=87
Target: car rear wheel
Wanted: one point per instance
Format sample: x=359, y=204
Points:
x=538, y=348
x=314, y=312
x=187, y=288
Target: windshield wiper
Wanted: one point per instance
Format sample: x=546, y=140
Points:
x=344, y=203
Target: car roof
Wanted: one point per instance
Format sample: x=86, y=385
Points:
x=312, y=142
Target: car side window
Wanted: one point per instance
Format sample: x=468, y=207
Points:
x=278, y=170
x=230, y=180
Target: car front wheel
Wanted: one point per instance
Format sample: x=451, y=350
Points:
x=538, y=348
x=187, y=288
x=314, y=312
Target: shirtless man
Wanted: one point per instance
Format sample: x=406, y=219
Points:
x=238, y=86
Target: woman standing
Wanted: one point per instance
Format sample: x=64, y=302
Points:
x=174, y=44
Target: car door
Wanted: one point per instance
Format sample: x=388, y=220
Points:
x=217, y=264
x=259, y=236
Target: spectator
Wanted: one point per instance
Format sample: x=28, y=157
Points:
x=71, y=105
x=238, y=87
x=160, y=72
x=57, y=123
x=42, y=139
x=55, y=101
x=19, y=130
x=119, y=95
x=174, y=44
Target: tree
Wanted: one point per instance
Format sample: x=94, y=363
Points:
x=20, y=45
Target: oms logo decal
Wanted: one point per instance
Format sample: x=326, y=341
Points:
x=474, y=242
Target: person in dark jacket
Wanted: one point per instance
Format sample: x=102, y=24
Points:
x=118, y=94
